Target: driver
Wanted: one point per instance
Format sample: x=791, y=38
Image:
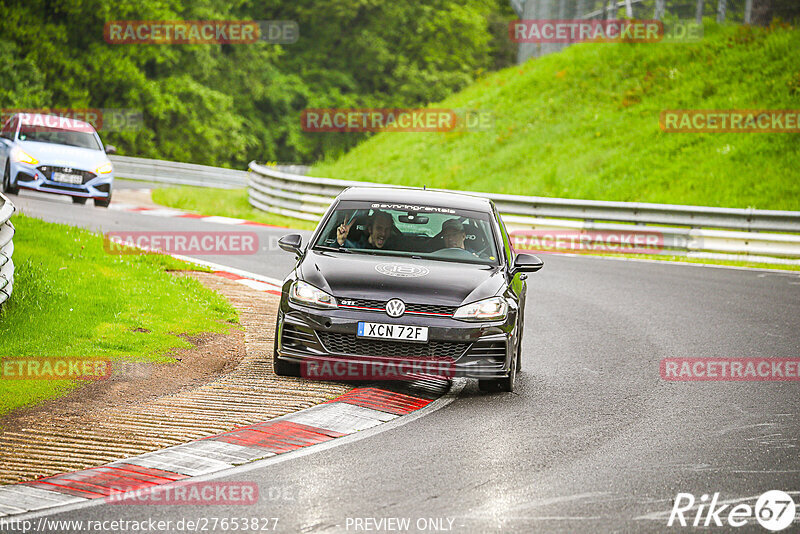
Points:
x=380, y=232
x=453, y=234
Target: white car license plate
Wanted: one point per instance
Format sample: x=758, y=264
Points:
x=393, y=331
x=76, y=179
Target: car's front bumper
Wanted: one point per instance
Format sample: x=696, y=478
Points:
x=472, y=350
x=30, y=177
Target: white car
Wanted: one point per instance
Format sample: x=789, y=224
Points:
x=57, y=155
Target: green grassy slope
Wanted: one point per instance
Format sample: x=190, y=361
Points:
x=583, y=123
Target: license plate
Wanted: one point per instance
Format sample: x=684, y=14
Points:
x=75, y=179
x=393, y=331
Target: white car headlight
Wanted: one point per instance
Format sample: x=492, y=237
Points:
x=304, y=293
x=491, y=309
x=23, y=157
x=104, y=169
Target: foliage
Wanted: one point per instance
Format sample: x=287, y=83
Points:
x=228, y=104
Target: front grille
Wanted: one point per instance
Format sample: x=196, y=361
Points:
x=431, y=308
x=350, y=344
x=410, y=307
x=48, y=171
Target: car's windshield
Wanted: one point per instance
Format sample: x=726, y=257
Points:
x=432, y=232
x=58, y=136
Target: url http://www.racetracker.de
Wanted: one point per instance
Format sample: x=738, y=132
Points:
x=198, y=524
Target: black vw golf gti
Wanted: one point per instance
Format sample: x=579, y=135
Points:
x=406, y=274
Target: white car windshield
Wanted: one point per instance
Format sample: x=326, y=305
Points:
x=58, y=136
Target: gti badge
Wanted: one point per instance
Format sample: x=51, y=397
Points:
x=395, y=308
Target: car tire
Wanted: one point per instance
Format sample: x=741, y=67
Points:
x=78, y=200
x=282, y=367
x=103, y=202
x=7, y=187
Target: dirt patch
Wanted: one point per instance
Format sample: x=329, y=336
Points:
x=130, y=383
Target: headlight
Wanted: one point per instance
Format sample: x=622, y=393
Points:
x=23, y=157
x=492, y=309
x=104, y=169
x=304, y=293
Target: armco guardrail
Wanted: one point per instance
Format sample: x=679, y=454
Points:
x=707, y=230
x=172, y=172
x=6, y=249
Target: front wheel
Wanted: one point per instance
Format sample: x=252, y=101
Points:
x=103, y=202
x=7, y=187
x=78, y=200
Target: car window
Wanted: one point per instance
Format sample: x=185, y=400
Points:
x=59, y=136
x=9, y=128
x=433, y=232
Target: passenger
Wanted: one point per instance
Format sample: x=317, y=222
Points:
x=380, y=228
x=453, y=234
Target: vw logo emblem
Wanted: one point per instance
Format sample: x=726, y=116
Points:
x=395, y=308
x=401, y=270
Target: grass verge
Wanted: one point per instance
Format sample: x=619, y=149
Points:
x=72, y=299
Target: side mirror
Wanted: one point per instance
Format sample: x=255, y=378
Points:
x=291, y=243
x=526, y=263
x=111, y=149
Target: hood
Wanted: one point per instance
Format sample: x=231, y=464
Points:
x=412, y=280
x=65, y=156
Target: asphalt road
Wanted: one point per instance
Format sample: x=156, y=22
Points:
x=593, y=440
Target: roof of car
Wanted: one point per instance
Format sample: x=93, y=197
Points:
x=416, y=196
